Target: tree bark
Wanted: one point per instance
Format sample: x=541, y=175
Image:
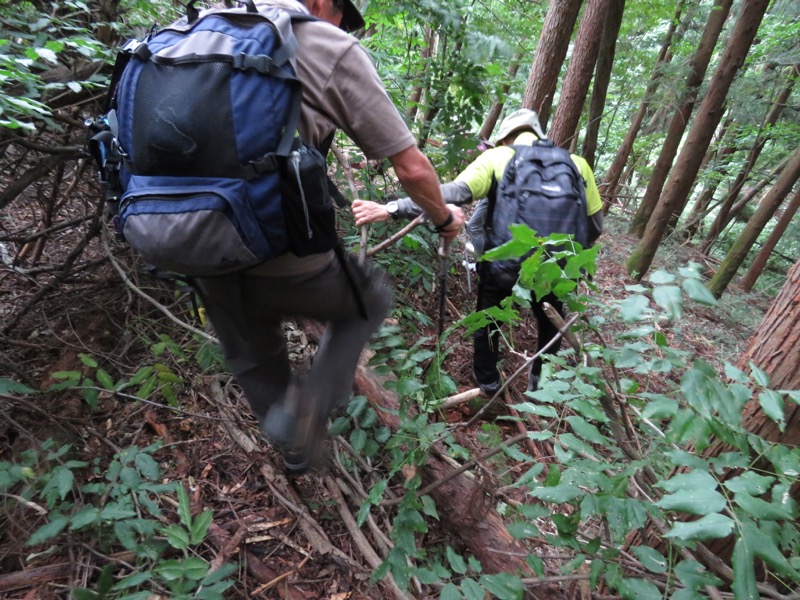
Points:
x=602, y=76
x=763, y=255
x=722, y=218
x=550, y=53
x=579, y=73
x=709, y=115
x=766, y=209
x=697, y=72
x=610, y=184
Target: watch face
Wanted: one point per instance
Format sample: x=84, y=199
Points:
x=391, y=208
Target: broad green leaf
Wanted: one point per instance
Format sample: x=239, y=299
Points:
x=586, y=430
x=698, y=292
x=200, y=526
x=558, y=494
x=661, y=277
x=709, y=527
x=86, y=516
x=651, y=559
x=694, y=480
x=104, y=379
x=450, y=592
x=504, y=586
x=749, y=482
x=455, y=560
x=759, y=375
x=694, y=575
x=49, y=530
x=219, y=574
x=766, y=549
x=773, y=404
x=9, y=386
x=735, y=374
x=536, y=409
x=760, y=509
x=177, y=536
x=472, y=590
x=639, y=589
x=134, y=580
x=147, y=466
x=634, y=308
x=429, y=507
x=670, y=299
x=426, y=576
x=744, y=574
x=695, y=501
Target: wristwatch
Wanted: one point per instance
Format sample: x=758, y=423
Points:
x=392, y=208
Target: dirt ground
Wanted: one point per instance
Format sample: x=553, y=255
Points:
x=211, y=441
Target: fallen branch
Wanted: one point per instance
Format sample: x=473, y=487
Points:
x=396, y=236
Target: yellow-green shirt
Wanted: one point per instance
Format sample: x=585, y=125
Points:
x=492, y=163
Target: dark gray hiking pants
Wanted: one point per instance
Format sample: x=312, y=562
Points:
x=246, y=312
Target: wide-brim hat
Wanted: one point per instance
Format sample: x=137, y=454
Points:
x=351, y=17
x=524, y=118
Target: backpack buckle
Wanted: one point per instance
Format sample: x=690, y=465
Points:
x=260, y=63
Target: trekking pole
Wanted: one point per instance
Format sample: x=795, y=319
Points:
x=348, y=173
x=444, y=253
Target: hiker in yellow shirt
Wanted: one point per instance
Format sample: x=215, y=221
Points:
x=480, y=180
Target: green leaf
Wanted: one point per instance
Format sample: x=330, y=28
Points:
x=535, y=409
x=670, y=299
x=358, y=439
x=455, y=560
x=471, y=590
x=760, y=509
x=177, y=536
x=709, y=527
x=503, y=586
x=105, y=380
x=558, y=494
x=49, y=530
x=219, y=574
x=773, y=404
x=200, y=525
x=9, y=386
x=133, y=581
x=695, y=502
x=86, y=516
x=661, y=277
x=586, y=430
x=698, y=292
x=744, y=573
x=184, y=506
x=450, y=592
x=429, y=507
x=634, y=308
x=694, y=575
x=749, y=482
x=147, y=466
x=766, y=549
x=639, y=589
x=694, y=480
x=651, y=559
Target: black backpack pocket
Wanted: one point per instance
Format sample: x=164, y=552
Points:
x=307, y=204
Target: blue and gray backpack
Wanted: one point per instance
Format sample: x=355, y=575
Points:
x=543, y=189
x=205, y=115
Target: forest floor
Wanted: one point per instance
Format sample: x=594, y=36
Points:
x=212, y=444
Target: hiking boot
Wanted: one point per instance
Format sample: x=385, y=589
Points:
x=490, y=389
x=296, y=460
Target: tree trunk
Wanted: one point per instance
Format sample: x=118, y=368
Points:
x=709, y=115
x=579, y=73
x=766, y=209
x=497, y=106
x=763, y=255
x=722, y=218
x=697, y=72
x=602, y=76
x=417, y=93
x=775, y=349
x=550, y=53
x=608, y=187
